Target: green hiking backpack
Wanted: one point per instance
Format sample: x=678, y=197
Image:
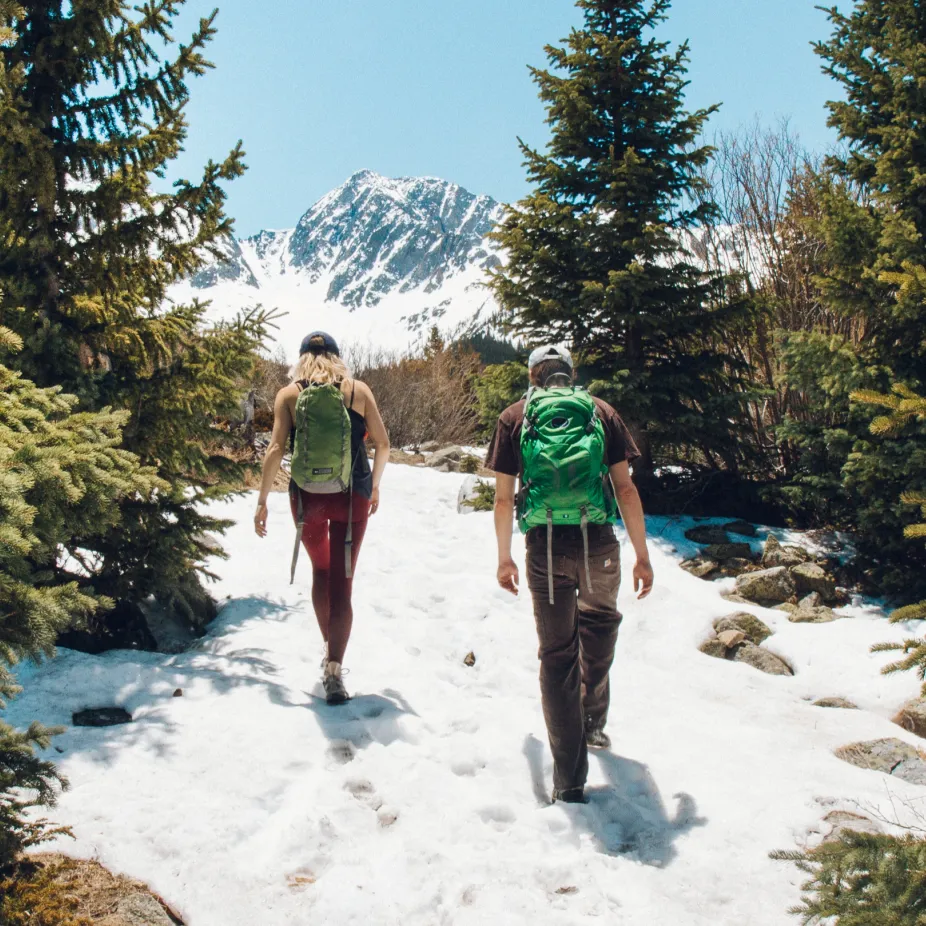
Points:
x=322, y=462
x=564, y=478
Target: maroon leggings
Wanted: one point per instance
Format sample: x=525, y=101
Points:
x=324, y=531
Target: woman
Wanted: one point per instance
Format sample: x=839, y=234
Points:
x=326, y=516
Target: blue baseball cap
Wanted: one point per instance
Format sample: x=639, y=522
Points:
x=319, y=342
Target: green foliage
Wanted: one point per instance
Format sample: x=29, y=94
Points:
x=62, y=478
x=593, y=251
x=491, y=350
x=871, y=230
x=485, y=497
x=862, y=879
x=90, y=113
x=905, y=407
x=496, y=388
x=470, y=464
x=27, y=784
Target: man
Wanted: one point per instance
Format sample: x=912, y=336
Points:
x=577, y=453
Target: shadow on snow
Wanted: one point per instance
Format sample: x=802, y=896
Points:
x=626, y=816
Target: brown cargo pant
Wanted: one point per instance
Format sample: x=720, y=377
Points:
x=577, y=635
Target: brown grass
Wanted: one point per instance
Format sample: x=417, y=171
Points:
x=54, y=890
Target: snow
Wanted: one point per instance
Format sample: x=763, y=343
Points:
x=425, y=799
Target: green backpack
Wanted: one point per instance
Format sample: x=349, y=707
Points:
x=322, y=462
x=564, y=478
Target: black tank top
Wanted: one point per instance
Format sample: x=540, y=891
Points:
x=363, y=474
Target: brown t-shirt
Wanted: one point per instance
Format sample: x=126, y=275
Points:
x=504, y=454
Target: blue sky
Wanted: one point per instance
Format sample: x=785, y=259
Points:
x=318, y=89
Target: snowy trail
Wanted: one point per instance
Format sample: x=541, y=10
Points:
x=425, y=800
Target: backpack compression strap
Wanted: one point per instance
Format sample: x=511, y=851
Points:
x=300, y=521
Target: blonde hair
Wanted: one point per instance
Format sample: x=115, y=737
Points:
x=320, y=368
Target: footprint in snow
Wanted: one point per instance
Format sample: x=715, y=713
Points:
x=363, y=791
x=342, y=752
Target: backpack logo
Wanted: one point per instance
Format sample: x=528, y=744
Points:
x=323, y=471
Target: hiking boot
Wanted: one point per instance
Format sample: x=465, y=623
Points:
x=571, y=796
x=596, y=738
x=335, y=692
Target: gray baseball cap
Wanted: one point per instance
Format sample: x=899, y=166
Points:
x=549, y=352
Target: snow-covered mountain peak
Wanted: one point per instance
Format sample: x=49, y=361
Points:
x=417, y=243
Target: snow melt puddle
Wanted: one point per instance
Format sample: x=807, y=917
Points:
x=425, y=800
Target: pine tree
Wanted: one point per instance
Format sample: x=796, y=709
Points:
x=874, y=272
x=863, y=879
x=594, y=255
x=904, y=407
x=91, y=112
x=62, y=477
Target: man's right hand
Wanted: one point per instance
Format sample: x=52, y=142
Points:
x=508, y=576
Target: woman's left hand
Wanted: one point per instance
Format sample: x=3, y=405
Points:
x=374, y=501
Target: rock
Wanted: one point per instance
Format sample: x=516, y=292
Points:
x=761, y=659
x=469, y=660
x=101, y=717
x=787, y=606
x=822, y=615
x=141, y=910
x=841, y=597
x=449, y=457
x=841, y=821
x=725, y=551
x=813, y=600
x=775, y=554
x=741, y=527
x=700, y=568
x=731, y=638
x=912, y=716
x=836, y=702
x=178, y=693
x=713, y=647
x=707, y=533
x=767, y=586
x=429, y=446
x=736, y=567
x=170, y=628
x=734, y=598
x=754, y=630
x=809, y=578
x=891, y=756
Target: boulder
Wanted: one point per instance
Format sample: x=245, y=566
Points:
x=774, y=554
x=141, y=910
x=891, y=756
x=101, y=717
x=754, y=630
x=446, y=460
x=733, y=598
x=713, y=647
x=843, y=703
x=789, y=607
x=912, y=716
x=841, y=821
x=767, y=586
x=699, y=567
x=725, y=551
x=812, y=615
x=813, y=600
x=741, y=527
x=731, y=638
x=736, y=567
x=761, y=659
x=809, y=578
x=707, y=533
x=429, y=446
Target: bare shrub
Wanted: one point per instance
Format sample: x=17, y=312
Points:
x=421, y=398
